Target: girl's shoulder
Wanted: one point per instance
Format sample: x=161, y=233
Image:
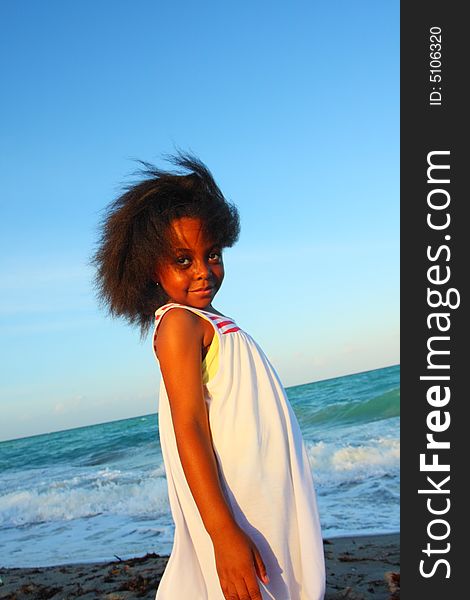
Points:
x=177, y=324
x=176, y=315
x=190, y=309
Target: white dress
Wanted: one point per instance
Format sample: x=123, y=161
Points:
x=264, y=472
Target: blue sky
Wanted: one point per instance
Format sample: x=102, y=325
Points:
x=295, y=109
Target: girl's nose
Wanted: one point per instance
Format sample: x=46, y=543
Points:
x=203, y=269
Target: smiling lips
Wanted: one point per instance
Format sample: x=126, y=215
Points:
x=205, y=290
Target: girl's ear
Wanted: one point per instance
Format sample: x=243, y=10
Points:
x=155, y=277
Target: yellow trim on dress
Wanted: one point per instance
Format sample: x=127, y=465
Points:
x=210, y=364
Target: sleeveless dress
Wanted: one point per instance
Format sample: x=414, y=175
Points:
x=264, y=473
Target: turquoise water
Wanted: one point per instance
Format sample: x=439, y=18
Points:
x=94, y=492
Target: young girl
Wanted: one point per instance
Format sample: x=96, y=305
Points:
x=239, y=482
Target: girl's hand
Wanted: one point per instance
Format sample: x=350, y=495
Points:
x=238, y=562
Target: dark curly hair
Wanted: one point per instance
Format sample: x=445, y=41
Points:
x=135, y=233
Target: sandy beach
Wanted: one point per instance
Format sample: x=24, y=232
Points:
x=358, y=568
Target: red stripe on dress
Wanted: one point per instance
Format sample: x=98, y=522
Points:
x=223, y=323
x=232, y=330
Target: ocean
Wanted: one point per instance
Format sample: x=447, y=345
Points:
x=94, y=493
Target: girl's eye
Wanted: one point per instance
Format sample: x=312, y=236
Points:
x=215, y=256
x=183, y=261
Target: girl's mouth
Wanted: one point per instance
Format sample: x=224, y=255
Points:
x=203, y=291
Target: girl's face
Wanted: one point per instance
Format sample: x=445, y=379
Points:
x=195, y=271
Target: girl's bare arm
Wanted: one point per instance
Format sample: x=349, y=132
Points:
x=178, y=345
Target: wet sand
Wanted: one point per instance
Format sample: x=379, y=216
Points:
x=362, y=567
